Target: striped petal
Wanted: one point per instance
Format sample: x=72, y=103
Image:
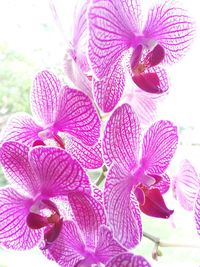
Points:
x=159, y=146
x=44, y=97
x=89, y=215
x=197, y=212
x=57, y=172
x=186, y=185
x=66, y=250
x=164, y=184
x=16, y=167
x=121, y=138
x=107, y=247
x=108, y=91
x=89, y=157
x=123, y=216
x=171, y=27
x=77, y=116
x=14, y=232
x=112, y=27
x=21, y=128
x=128, y=260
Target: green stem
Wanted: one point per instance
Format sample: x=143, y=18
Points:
x=102, y=176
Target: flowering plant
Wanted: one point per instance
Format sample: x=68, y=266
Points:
x=116, y=65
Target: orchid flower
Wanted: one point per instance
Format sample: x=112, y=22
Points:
x=58, y=110
x=86, y=240
x=136, y=181
x=116, y=34
x=186, y=189
x=39, y=176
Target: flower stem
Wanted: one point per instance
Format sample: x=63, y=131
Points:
x=159, y=243
x=102, y=176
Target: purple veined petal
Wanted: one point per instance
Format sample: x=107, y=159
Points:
x=97, y=194
x=45, y=97
x=171, y=27
x=164, y=184
x=119, y=211
x=186, y=185
x=112, y=29
x=66, y=250
x=16, y=167
x=89, y=214
x=144, y=104
x=108, y=91
x=128, y=260
x=14, y=232
x=57, y=172
x=21, y=128
x=89, y=157
x=77, y=116
x=197, y=212
x=159, y=146
x=77, y=77
x=121, y=138
x=107, y=247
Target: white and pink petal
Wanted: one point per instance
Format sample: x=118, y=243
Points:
x=14, y=232
x=128, y=260
x=121, y=138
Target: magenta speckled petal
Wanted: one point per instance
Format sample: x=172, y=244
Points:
x=66, y=249
x=77, y=116
x=111, y=30
x=197, y=212
x=108, y=91
x=90, y=157
x=128, y=260
x=57, y=172
x=170, y=26
x=14, y=160
x=20, y=128
x=89, y=215
x=159, y=146
x=121, y=138
x=186, y=185
x=44, y=97
x=163, y=185
x=107, y=247
x=14, y=232
x=120, y=213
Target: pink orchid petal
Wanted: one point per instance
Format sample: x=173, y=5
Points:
x=186, y=185
x=44, y=97
x=136, y=57
x=197, y=212
x=89, y=215
x=149, y=82
x=97, y=194
x=155, y=57
x=164, y=184
x=154, y=205
x=119, y=209
x=21, y=128
x=159, y=146
x=154, y=80
x=121, y=138
x=107, y=247
x=170, y=26
x=128, y=260
x=77, y=116
x=66, y=249
x=78, y=78
x=108, y=91
x=112, y=27
x=144, y=104
x=57, y=172
x=89, y=157
x=15, y=163
x=14, y=232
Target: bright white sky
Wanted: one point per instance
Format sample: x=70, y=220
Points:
x=20, y=27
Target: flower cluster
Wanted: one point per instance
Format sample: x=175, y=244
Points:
x=117, y=65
